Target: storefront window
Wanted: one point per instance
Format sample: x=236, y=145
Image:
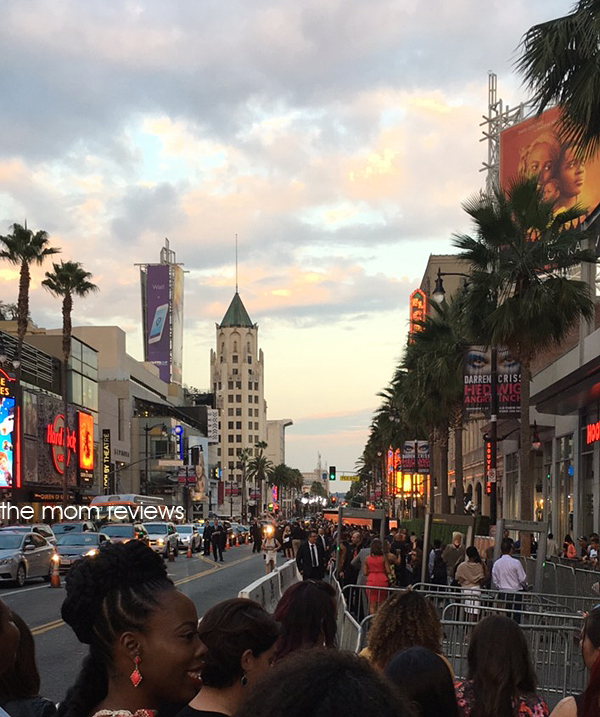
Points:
x=564, y=477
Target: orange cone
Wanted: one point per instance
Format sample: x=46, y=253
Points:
x=189, y=550
x=55, y=577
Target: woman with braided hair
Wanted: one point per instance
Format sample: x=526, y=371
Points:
x=143, y=635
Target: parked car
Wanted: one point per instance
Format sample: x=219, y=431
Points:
x=163, y=538
x=123, y=532
x=40, y=528
x=76, y=526
x=237, y=534
x=73, y=546
x=24, y=555
x=190, y=534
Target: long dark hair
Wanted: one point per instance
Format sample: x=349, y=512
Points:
x=591, y=696
x=499, y=666
x=22, y=680
x=306, y=612
x=116, y=590
x=228, y=629
x=425, y=679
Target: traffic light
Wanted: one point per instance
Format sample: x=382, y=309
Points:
x=333, y=500
x=331, y=472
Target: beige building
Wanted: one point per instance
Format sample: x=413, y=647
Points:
x=237, y=379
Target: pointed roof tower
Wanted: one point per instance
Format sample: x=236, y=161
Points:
x=236, y=315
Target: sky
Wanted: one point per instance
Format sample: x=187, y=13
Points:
x=336, y=138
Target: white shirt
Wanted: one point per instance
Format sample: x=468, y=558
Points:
x=508, y=574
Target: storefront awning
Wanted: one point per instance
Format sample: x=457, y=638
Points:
x=571, y=392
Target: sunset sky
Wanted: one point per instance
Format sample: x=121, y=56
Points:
x=337, y=138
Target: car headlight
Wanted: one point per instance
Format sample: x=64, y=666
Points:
x=6, y=561
x=160, y=541
x=91, y=553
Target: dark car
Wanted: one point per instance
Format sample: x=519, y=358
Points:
x=123, y=532
x=72, y=546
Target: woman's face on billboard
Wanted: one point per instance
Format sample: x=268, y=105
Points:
x=540, y=162
x=571, y=174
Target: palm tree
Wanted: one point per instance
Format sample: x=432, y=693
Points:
x=24, y=247
x=260, y=468
x=67, y=279
x=519, y=256
x=560, y=62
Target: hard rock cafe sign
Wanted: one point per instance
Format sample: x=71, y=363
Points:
x=55, y=438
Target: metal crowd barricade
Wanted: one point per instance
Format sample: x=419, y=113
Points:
x=268, y=590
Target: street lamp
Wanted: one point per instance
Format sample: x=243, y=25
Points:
x=439, y=293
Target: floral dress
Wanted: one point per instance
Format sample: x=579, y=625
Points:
x=530, y=705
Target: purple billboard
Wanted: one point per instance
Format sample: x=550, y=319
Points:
x=157, y=331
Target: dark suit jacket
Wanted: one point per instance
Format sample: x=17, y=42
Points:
x=304, y=561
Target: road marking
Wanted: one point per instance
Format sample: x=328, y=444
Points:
x=20, y=591
x=46, y=627
x=41, y=629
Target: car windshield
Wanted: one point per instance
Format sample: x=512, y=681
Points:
x=184, y=528
x=118, y=531
x=156, y=528
x=18, y=528
x=78, y=539
x=10, y=541
x=66, y=528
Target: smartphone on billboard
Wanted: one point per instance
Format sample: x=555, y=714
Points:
x=158, y=324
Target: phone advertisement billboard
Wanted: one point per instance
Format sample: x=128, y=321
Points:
x=157, y=332
x=177, y=325
x=533, y=148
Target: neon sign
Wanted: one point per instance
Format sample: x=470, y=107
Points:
x=417, y=310
x=55, y=437
x=592, y=432
x=9, y=440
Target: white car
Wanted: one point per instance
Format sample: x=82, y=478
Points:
x=24, y=556
x=163, y=538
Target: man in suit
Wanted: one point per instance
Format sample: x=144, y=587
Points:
x=310, y=558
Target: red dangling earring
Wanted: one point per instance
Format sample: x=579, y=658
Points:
x=136, y=675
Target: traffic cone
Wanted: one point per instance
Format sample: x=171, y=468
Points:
x=55, y=577
x=189, y=550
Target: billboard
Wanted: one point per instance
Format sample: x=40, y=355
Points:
x=533, y=148
x=8, y=430
x=106, y=468
x=177, y=325
x=477, y=381
x=417, y=311
x=86, y=446
x=157, y=315
x=408, y=457
x=199, y=489
x=212, y=425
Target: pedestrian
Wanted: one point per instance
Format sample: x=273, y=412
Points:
x=322, y=538
x=425, y=679
x=208, y=531
x=406, y=619
x=256, y=533
x=586, y=704
x=552, y=549
x=501, y=679
x=239, y=638
x=269, y=547
x=310, y=558
x=20, y=684
x=453, y=555
x=325, y=683
x=144, y=648
x=306, y=613
x=569, y=549
x=286, y=542
x=216, y=540
x=377, y=571
x=509, y=578
x=298, y=536
x=471, y=575
x=9, y=643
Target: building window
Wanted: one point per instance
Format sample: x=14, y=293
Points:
x=238, y=439
x=249, y=385
x=230, y=385
x=256, y=412
x=219, y=425
x=218, y=451
x=238, y=384
x=230, y=465
x=238, y=425
x=238, y=398
x=220, y=385
x=230, y=411
x=229, y=398
x=256, y=426
x=234, y=371
x=249, y=359
x=255, y=399
x=230, y=425
x=234, y=358
x=256, y=386
x=250, y=412
x=238, y=411
x=249, y=425
x=230, y=452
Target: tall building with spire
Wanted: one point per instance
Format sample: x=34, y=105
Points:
x=237, y=378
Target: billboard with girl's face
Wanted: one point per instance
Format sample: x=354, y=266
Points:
x=533, y=148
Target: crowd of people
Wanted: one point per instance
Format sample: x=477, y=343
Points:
x=149, y=656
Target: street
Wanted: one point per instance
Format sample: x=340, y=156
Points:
x=59, y=654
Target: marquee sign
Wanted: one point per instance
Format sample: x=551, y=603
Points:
x=417, y=311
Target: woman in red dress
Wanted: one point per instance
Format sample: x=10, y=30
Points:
x=376, y=568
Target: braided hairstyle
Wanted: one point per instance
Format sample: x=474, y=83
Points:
x=108, y=594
